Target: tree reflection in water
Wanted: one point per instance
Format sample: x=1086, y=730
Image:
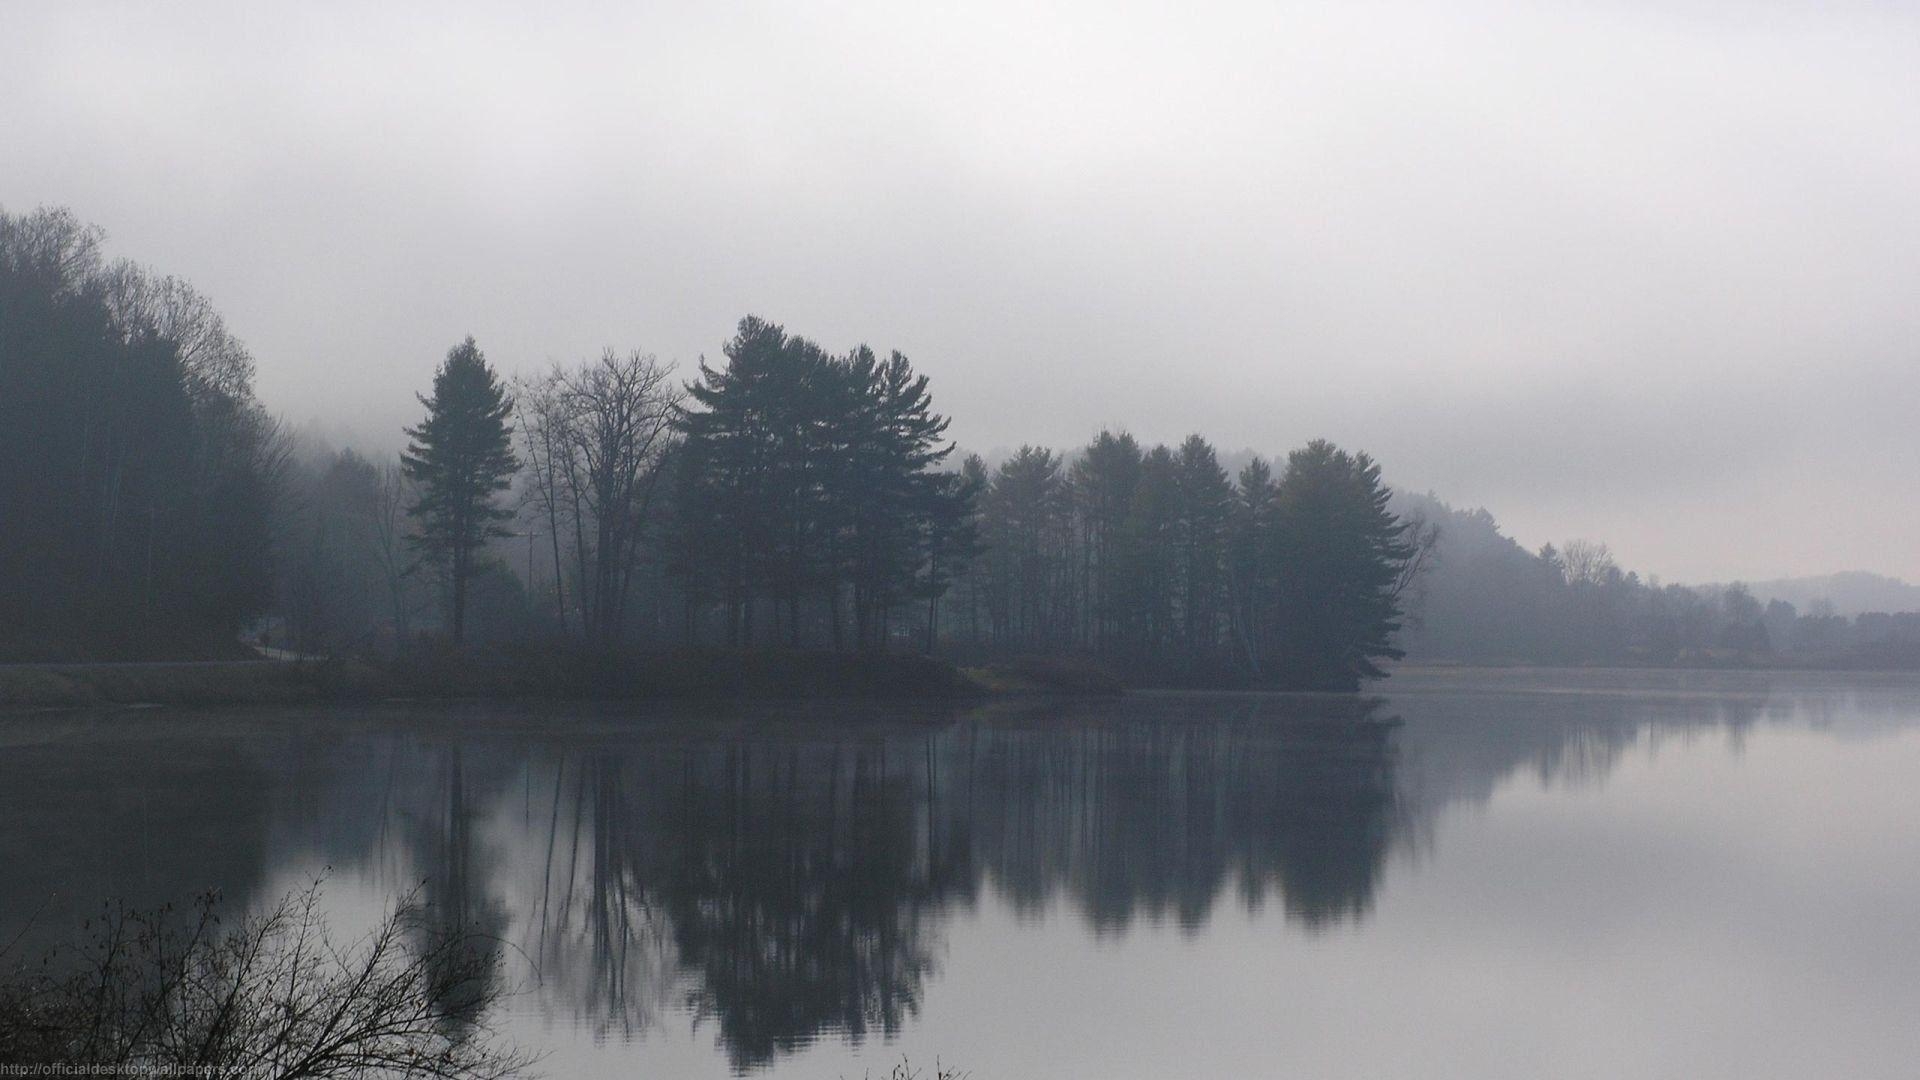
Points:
x=1157, y=814
x=789, y=877
x=787, y=884
x=456, y=897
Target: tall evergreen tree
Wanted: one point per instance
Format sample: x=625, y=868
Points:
x=461, y=456
x=970, y=604
x=1205, y=505
x=1252, y=569
x=902, y=512
x=726, y=485
x=950, y=540
x=1103, y=483
x=1150, y=577
x=1024, y=518
x=1344, y=554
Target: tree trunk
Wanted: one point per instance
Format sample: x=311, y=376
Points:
x=459, y=598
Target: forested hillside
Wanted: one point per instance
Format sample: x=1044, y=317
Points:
x=1487, y=599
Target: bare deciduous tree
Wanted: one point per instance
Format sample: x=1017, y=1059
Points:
x=1424, y=537
x=394, y=494
x=215, y=362
x=596, y=439
x=1587, y=562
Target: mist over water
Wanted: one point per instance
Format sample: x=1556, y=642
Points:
x=1469, y=875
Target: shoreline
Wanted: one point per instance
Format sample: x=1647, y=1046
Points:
x=680, y=675
x=708, y=676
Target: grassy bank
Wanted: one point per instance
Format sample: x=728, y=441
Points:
x=245, y=682
x=542, y=675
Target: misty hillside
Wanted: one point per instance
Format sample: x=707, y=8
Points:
x=1851, y=592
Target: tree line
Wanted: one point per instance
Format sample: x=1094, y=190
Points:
x=801, y=498
x=1157, y=562
x=788, y=495
x=1489, y=599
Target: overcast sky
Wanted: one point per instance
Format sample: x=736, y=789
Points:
x=1648, y=273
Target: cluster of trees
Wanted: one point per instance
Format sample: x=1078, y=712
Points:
x=137, y=510
x=1157, y=562
x=1490, y=599
x=807, y=494
x=796, y=503
x=791, y=496
x=1870, y=639
x=796, y=497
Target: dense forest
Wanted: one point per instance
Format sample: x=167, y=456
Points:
x=1491, y=600
x=789, y=496
x=141, y=474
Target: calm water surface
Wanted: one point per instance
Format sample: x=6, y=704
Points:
x=1470, y=874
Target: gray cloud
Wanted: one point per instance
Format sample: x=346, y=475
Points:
x=1635, y=271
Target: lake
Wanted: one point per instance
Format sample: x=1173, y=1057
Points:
x=1481, y=874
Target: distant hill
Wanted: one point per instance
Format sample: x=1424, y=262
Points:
x=1851, y=592
x=1474, y=537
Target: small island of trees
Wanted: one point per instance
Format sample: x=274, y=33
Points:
x=796, y=498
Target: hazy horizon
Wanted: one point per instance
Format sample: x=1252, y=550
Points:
x=1609, y=270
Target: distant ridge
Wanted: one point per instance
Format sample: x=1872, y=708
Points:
x=1851, y=592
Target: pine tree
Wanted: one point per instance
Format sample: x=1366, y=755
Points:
x=897, y=502
x=1148, y=577
x=1205, y=500
x=461, y=456
x=1103, y=483
x=1024, y=519
x=972, y=578
x=1252, y=575
x=1343, y=555
x=949, y=539
x=732, y=507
